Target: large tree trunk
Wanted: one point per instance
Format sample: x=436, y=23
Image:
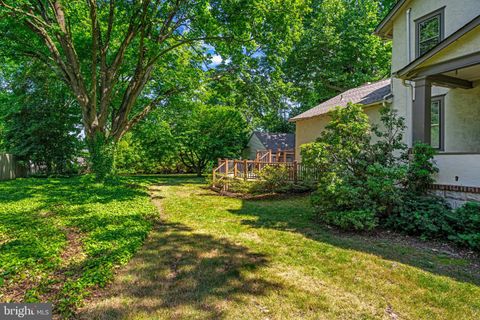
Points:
x=101, y=155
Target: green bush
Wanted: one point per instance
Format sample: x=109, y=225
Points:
x=424, y=216
x=465, y=224
x=421, y=169
x=273, y=178
x=352, y=220
x=357, y=175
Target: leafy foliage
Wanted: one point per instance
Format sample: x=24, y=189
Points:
x=465, y=225
x=148, y=148
x=123, y=59
x=207, y=133
x=352, y=220
x=40, y=119
x=425, y=216
x=364, y=175
x=338, y=49
x=273, y=178
x=421, y=169
x=63, y=237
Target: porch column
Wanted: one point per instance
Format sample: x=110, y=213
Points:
x=421, y=113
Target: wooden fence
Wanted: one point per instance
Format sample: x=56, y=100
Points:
x=249, y=170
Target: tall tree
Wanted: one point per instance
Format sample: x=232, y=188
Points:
x=123, y=58
x=210, y=132
x=40, y=118
x=338, y=49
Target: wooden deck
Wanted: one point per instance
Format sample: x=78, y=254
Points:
x=249, y=170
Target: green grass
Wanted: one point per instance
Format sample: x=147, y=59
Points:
x=222, y=258
x=59, y=238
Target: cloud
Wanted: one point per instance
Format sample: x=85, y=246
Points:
x=216, y=60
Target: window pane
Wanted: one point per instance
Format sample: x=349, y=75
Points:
x=430, y=28
x=429, y=34
x=435, y=112
x=435, y=127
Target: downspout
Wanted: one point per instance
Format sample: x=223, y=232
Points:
x=409, y=93
x=409, y=42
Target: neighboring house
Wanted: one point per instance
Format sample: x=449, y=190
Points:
x=273, y=147
x=436, y=86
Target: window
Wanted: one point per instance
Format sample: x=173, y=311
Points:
x=437, y=127
x=429, y=31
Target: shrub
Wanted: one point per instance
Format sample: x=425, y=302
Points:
x=465, y=224
x=421, y=169
x=357, y=175
x=424, y=216
x=351, y=220
x=273, y=178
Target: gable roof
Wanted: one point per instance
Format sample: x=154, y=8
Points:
x=368, y=94
x=276, y=141
x=384, y=29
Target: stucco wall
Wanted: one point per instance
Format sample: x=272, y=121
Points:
x=465, y=167
x=309, y=130
x=462, y=120
x=462, y=115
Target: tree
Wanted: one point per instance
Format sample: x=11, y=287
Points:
x=121, y=58
x=338, y=49
x=208, y=133
x=149, y=148
x=40, y=119
x=259, y=90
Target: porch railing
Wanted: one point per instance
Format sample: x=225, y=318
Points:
x=250, y=169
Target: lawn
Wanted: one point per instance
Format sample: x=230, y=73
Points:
x=214, y=257
x=60, y=238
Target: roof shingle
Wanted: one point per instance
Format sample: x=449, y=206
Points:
x=276, y=141
x=367, y=94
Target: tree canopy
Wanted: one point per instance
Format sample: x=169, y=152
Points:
x=338, y=49
x=153, y=62
x=121, y=59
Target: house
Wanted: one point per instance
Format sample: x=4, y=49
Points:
x=311, y=123
x=435, y=86
x=270, y=147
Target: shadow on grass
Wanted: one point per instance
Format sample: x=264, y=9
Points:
x=36, y=216
x=296, y=215
x=178, y=274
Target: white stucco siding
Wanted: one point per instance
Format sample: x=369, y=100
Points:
x=401, y=97
x=462, y=120
x=457, y=14
x=458, y=170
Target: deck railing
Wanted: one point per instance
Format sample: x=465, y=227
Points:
x=250, y=169
x=280, y=155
